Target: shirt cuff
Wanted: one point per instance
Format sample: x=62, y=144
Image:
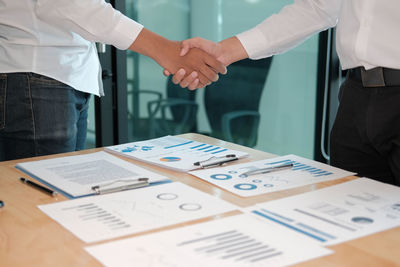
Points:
x=126, y=32
x=254, y=43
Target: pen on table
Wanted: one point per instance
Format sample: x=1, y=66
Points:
x=39, y=187
x=216, y=161
x=1, y=203
x=267, y=170
x=102, y=189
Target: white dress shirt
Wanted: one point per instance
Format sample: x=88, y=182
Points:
x=56, y=38
x=367, y=30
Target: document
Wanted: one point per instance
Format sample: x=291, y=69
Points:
x=174, y=153
x=246, y=180
x=237, y=241
x=108, y=216
x=337, y=213
x=75, y=176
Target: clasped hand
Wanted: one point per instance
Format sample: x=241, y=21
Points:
x=225, y=52
x=201, y=67
x=196, y=65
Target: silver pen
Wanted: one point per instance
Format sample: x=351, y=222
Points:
x=216, y=161
x=267, y=169
x=105, y=189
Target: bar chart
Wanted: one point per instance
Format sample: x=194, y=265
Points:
x=236, y=241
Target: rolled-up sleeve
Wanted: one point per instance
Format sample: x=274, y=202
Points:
x=290, y=27
x=94, y=20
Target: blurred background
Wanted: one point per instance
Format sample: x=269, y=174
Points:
x=274, y=105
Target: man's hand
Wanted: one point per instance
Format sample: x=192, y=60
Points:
x=212, y=48
x=227, y=51
x=201, y=65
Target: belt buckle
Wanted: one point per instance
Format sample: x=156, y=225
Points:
x=373, y=77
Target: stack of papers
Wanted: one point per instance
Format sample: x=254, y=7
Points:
x=173, y=152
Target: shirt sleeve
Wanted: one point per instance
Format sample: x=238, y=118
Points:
x=94, y=20
x=290, y=27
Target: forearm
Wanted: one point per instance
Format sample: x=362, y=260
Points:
x=154, y=46
x=290, y=27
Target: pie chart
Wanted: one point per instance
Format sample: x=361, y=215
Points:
x=170, y=159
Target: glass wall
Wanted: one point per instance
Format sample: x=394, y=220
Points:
x=287, y=102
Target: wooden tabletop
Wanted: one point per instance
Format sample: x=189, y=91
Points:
x=28, y=237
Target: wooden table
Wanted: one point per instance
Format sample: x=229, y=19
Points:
x=29, y=238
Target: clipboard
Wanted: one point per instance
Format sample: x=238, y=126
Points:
x=90, y=174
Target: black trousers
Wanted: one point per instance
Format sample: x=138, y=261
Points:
x=366, y=134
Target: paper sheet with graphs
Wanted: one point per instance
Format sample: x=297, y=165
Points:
x=113, y=215
x=304, y=171
x=237, y=241
x=173, y=152
x=337, y=213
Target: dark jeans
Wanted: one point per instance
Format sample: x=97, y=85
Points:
x=366, y=135
x=40, y=116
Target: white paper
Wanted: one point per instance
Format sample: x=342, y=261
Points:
x=304, y=172
x=238, y=241
x=172, y=152
x=113, y=215
x=337, y=213
x=76, y=175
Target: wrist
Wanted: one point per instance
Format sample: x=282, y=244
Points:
x=166, y=51
x=232, y=51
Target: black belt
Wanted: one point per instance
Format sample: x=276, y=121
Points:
x=376, y=77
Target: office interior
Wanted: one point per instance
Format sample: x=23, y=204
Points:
x=284, y=105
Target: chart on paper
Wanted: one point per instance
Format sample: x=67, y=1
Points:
x=173, y=152
x=304, y=171
x=235, y=241
x=107, y=216
x=338, y=213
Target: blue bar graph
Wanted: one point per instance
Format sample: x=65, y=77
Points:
x=194, y=147
x=282, y=161
x=212, y=149
x=204, y=148
x=182, y=144
x=316, y=230
x=219, y=151
x=289, y=226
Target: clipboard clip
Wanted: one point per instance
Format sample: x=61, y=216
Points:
x=216, y=161
x=126, y=185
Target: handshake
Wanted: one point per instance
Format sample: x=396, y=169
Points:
x=194, y=63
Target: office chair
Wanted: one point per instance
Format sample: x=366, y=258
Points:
x=175, y=114
x=232, y=103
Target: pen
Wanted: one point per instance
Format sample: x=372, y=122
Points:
x=102, y=189
x=1, y=203
x=216, y=161
x=38, y=186
x=267, y=170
